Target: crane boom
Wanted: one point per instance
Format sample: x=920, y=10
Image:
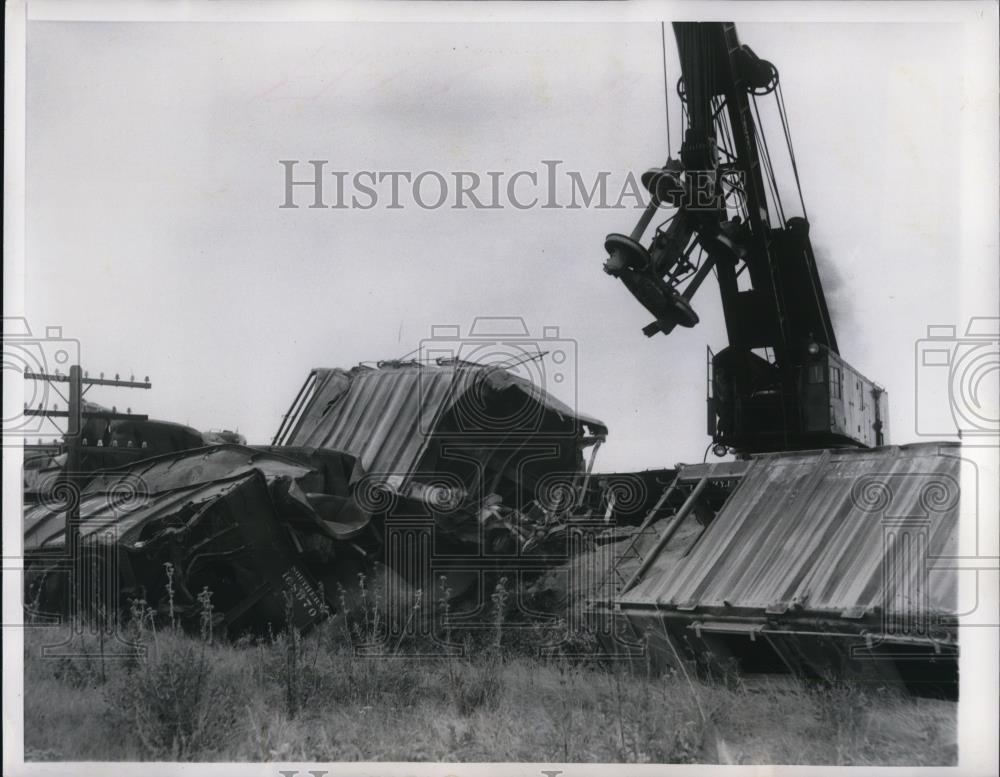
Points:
x=780, y=383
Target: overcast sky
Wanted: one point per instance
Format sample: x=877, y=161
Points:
x=155, y=237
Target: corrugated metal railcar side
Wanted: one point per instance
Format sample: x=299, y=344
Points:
x=842, y=532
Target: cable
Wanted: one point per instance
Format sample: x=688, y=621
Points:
x=727, y=146
x=791, y=148
x=666, y=87
x=730, y=144
x=772, y=181
x=764, y=155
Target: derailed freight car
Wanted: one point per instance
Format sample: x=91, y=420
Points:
x=825, y=563
x=478, y=469
x=410, y=423
x=246, y=525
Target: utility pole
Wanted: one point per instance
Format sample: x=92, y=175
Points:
x=75, y=415
x=74, y=427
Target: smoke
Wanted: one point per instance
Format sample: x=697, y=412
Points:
x=835, y=288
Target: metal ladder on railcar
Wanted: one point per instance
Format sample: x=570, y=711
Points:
x=615, y=581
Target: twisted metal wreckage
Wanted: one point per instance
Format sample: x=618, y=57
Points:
x=818, y=550
x=469, y=464
x=809, y=561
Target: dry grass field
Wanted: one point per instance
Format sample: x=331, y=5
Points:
x=311, y=698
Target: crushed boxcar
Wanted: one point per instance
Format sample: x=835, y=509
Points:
x=826, y=563
x=480, y=468
x=249, y=525
x=410, y=423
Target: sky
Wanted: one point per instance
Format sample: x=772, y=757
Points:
x=154, y=235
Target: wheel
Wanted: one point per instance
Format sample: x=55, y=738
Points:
x=624, y=253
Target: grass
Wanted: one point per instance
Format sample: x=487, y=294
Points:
x=317, y=698
x=191, y=700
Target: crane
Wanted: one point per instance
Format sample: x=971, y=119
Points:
x=779, y=383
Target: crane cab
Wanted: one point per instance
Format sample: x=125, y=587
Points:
x=754, y=407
